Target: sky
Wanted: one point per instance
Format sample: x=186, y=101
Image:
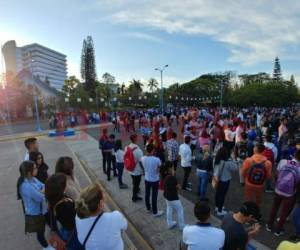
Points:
x=132, y=38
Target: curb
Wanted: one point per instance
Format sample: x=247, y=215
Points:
x=139, y=241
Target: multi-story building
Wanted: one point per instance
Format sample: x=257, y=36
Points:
x=46, y=64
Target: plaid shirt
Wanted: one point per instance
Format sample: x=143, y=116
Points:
x=173, y=149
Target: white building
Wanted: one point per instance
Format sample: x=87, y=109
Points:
x=48, y=65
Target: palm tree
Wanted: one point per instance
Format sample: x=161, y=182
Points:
x=152, y=84
x=137, y=85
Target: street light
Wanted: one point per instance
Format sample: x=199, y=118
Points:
x=35, y=98
x=161, y=86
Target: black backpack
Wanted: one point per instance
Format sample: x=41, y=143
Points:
x=242, y=150
x=257, y=173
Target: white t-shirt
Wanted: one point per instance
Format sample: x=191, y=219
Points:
x=106, y=234
x=185, y=153
x=138, y=153
x=151, y=166
x=119, y=154
x=203, y=237
x=26, y=157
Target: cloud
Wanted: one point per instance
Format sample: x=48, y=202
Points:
x=143, y=36
x=253, y=31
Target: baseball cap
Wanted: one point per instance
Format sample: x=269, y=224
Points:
x=250, y=208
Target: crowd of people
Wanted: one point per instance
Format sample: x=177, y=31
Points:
x=261, y=146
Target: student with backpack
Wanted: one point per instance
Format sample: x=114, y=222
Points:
x=288, y=177
x=256, y=170
x=270, y=153
x=132, y=157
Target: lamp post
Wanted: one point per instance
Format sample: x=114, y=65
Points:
x=221, y=94
x=161, y=87
x=35, y=98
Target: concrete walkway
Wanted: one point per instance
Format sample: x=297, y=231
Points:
x=154, y=230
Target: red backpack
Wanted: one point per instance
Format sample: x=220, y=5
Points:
x=268, y=153
x=129, y=161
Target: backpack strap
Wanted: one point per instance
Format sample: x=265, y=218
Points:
x=91, y=229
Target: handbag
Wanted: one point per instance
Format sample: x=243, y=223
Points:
x=34, y=223
x=54, y=239
x=216, y=179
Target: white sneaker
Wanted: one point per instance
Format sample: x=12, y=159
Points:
x=216, y=209
x=173, y=225
x=158, y=214
x=221, y=213
x=48, y=248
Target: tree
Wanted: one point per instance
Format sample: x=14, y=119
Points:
x=277, y=70
x=137, y=85
x=70, y=85
x=152, y=84
x=88, y=66
x=292, y=80
x=108, y=78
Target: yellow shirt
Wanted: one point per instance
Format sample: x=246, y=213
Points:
x=286, y=245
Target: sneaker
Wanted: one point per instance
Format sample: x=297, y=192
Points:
x=187, y=189
x=269, y=191
x=221, y=213
x=137, y=199
x=123, y=186
x=279, y=233
x=173, y=225
x=268, y=228
x=158, y=214
x=216, y=209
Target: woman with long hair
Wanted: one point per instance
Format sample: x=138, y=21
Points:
x=104, y=228
x=31, y=191
x=42, y=167
x=62, y=210
x=223, y=167
x=65, y=166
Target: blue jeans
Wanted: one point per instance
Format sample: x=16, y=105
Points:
x=120, y=168
x=296, y=219
x=151, y=187
x=203, y=181
x=71, y=238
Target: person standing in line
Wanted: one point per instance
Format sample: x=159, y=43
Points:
x=236, y=237
x=288, y=179
x=136, y=174
x=102, y=141
x=31, y=191
x=241, y=151
x=185, y=154
x=31, y=145
x=222, y=172
x=65, y=165
x=105, y=227
x=202, y=235
x=108, y=149
x=151, y=166
x=38, y=158
x=62, y=210
x=119, y=154
x=173, y=149
x=171, y=187
x=256, y=170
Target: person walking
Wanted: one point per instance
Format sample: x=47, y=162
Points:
x=136, y=173
x=256, y=170
x=151, y=165
x=31, y=191
x=96, y=228
x=288, y=179
x=223, y=167
x=185, y=154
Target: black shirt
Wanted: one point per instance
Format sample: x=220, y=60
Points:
x=42, y=174
x=236, y=236
x=170, y=188
x=65, y=214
